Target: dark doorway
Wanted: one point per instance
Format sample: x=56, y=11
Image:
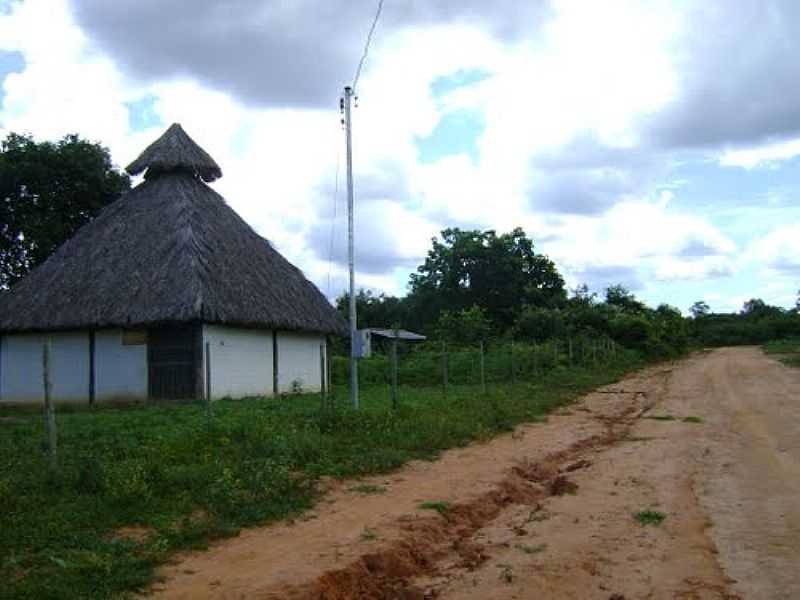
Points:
x=173, y=362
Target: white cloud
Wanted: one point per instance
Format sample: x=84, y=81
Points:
x=769, y=155
x=563, y=112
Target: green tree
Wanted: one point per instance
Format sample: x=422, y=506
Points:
x=47, y=191
x=499, y=273
x=374, y=310
x=467, y=326
x=699, y=309
x=619, y=296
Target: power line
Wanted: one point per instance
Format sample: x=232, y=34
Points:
x=366, y=45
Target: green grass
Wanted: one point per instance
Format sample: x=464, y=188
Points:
x=439, y=506
x=692, y=419
x=661, y=417
x=183, y=479
x=786, y=351
x=650, y=517
x=528, y=549
x=790, y=346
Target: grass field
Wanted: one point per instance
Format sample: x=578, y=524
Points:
x=136, y=484
x=787, y=351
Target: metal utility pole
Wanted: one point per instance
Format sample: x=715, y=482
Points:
x=346, y=101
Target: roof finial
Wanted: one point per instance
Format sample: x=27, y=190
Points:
x=175, y=151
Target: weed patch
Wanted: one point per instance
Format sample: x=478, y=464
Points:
x=443, y=508
x=650, y=517
x=691, y=419
x=660, y=417
x=528, y=549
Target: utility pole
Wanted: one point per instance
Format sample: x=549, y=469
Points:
x=346, y=102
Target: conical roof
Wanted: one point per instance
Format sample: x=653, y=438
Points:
x=171, y=250
x=175, y=150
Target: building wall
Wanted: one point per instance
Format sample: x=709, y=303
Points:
x=241, y=361
x=21, y=367
x=298, y=361
x=120, y=369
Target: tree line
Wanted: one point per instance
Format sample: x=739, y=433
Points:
x=473, y=285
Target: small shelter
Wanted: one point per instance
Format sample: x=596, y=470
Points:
x=367, y=338
x=168, y=293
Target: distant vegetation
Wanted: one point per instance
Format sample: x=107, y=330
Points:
x=480, y=286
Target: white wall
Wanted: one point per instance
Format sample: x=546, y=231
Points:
x=21, y=367
x=120, y=370
x=298, y=360
x=241, y=361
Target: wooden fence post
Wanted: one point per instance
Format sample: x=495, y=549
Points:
x=570, y=350
x=535, y=356
x=323, y=400
x=394, y=373
x=208, y=379
x=513, y=366
x=49, y=411
x=483, y=370
x=444, y=368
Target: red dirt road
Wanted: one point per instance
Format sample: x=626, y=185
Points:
x=547, y=511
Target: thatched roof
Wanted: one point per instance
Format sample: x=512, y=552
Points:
x=170, y=250
x=175, y=150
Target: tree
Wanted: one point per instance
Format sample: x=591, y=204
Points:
x=619, y=296
x=499, y=273
x=373, y=310
x=699, y=309
x=47, y=191
x=468, y=326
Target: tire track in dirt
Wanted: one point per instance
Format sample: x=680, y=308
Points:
x=416, y=550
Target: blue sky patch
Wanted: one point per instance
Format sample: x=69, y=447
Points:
x=456, y=132
x=10, y=62
x=142, y=113
x=461, y=78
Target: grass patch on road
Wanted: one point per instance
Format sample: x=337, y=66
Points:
x=183, y=479
x=650, y=517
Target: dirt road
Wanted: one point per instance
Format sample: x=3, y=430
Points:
x=548, y=511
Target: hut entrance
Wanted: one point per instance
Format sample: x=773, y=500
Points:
x=172, y=362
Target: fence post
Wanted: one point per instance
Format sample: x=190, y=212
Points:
x=535, y=356
x=444, y=367
x=483, y=370
x=555, y=353
x=394, y=373
x=570, y=350
x=49, y=411
x=513, y=366
x=594, y=353
x=322, y=390
x=208, y=378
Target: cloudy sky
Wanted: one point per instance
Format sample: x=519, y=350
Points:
x=653, y=144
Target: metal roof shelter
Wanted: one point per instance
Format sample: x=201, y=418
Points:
x=365, y=337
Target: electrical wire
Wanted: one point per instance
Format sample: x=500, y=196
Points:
x=366, y=45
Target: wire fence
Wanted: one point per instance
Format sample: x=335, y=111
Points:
x=480, y=365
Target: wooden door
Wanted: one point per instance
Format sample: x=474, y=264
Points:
x=172, y=362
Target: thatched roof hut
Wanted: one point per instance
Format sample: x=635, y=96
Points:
x=171, y=250
x=171, y=262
